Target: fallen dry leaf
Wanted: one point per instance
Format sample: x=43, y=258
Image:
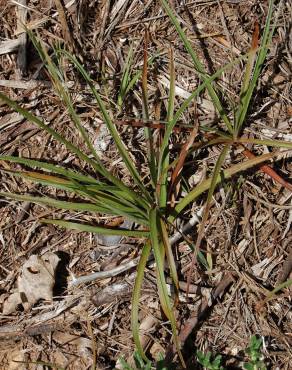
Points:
x=35, y=282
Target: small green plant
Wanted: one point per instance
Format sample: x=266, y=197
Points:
x=140, y=364
x=206, y=361
x=254, y=353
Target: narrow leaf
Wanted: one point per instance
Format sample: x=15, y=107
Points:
x=272, y=143
x=52, y=168
x=83, y=181
x=148, y=130
x=269, y=171
x=100, y=207
x=181, y=160
x=135, y=298
x=214, y=180
x=96, y=229
x=226, y=174
x=265, y=42
x=170, y=259
x=156, y=245
x=164, y=163
x=198, y=65
x=112, y=128
x=187, y=102
x=247, y=78
x=125, y=77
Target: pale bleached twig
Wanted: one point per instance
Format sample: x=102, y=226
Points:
x=9, y=46
x=21, y=84
x=21, y=24
x=184, y=230
x=105, y=274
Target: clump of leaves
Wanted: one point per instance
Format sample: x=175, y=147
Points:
x=141, y=364
x=254, y=353
x=206, y=361
x=147, y=201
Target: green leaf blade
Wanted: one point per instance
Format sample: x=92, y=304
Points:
x=96, y=229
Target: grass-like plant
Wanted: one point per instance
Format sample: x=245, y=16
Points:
x=147, y=201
